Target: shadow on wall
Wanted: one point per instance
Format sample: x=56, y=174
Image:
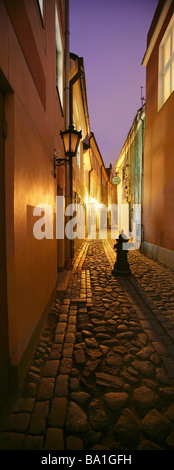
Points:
x=160, y=254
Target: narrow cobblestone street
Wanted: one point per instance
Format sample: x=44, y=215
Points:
x=102, y=376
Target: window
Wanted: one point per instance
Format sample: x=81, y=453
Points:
x=84, y=169
x=166, y=65
x=78, y=155
x=59, y=60
x=40, y=2
x=41, y=8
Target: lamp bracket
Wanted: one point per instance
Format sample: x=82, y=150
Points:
x=61, y=161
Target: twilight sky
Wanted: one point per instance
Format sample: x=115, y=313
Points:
x=111, y=37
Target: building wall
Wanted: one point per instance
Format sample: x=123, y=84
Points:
x=34, y=118
x=81, y=163
x=158, y=161
x=129, y=169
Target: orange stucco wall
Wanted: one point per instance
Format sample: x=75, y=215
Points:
x=158, y=201
x=34, y=119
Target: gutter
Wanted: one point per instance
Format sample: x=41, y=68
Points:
x=67, y=34
x=142, y=185
x=157, y=30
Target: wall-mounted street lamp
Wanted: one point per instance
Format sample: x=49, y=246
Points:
x=70, y=136
x=71, y=139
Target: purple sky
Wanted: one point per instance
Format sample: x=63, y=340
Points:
x=111, y=37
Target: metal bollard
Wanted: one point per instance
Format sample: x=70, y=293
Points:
x=121, y=266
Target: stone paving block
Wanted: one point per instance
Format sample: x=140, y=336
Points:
x=146, y=325
x=72, y=320
x=71, y=328
x=61, y=328
x=63, y=318
x=170, y=349
x=54, y=439
x=65, y=365
x=76, y=419
x=78, y=301
x=80, y=397
x=68, y=346
x=89, y=294
x=39, y=418
x=61, y=389
x=83, y=296
x=30, y=389
x=51, y=368
x=33, y=377
x=74, y=443
x=59, y=338
x=160, y=348
x=171, y=334
x=68, y=351
x=169, y=365
x=166, y=340
x=72, y=307
x=156, y=425
x=127, y=429
x=46, y=387
x=70, y=338
x=55, y=352
x=66, y=301
x=11, y=441
x=33, y=443
x=64, y=308
x=23, y=405
x=152, y=335
x=79, y=356
x=141, y=315
x=58, y=412
x=144, y=399
x=74, y=383
x=18, y=422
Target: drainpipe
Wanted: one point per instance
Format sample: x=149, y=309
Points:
x=71, y=83
x=69, y=122
x=142, y=185
x=101, y=199
x=90, y=137
x=67, y=34
x=67, y=169
x=64, y=171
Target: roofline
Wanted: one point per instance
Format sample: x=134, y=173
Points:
x=156, y=31
x=93, y=136
x=142, y=109
x=80, y=62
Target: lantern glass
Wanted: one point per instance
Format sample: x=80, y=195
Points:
x=71, y=139
x=66, y=139
x=74, y=142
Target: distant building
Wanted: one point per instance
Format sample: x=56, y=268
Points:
x=102, y=190
x=111, y=192
x=82, y=161
x=91, y=181
x=129, y=168
x=158, y=199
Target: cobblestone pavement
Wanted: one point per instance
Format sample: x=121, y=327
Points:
x=102, y=376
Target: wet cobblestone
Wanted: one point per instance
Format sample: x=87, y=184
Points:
x=102, y=376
